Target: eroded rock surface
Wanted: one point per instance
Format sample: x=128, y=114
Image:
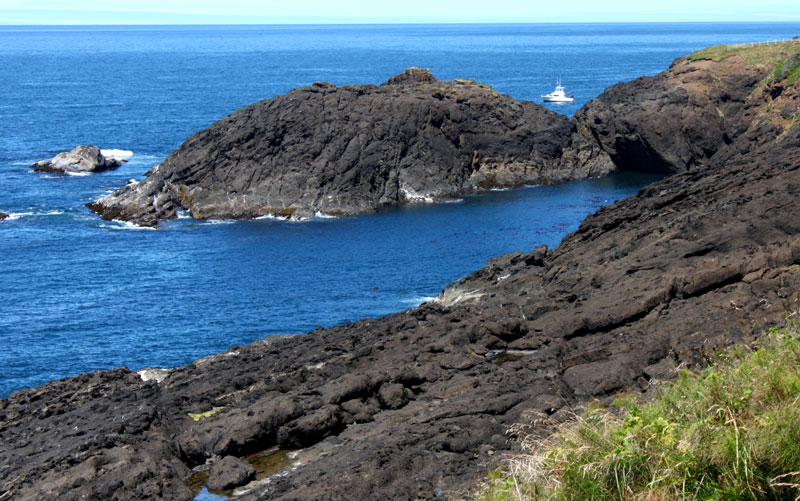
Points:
x=228, y=473
x=86, y=158
x=678, y=119
x=352, y=149
x=417, y=405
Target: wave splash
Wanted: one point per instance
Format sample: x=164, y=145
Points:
x=17, y=215
x=125, y=225
x=118, y=154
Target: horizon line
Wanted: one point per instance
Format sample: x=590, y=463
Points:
x=398, y=23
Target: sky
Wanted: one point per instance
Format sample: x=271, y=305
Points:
x=377, y=11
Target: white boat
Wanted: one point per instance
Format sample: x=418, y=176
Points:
x=559, y=95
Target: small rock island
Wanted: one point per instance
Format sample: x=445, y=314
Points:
x=352, y=149
x=82, y=159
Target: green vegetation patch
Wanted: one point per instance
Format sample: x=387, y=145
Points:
x=758, y=56
x=472, y=83
x=790, y=70
x=730, y=432
x=713, y=53
x=786, y=69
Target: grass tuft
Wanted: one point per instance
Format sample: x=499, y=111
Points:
x=729, y=432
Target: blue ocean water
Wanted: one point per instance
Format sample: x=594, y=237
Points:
x=80, y=294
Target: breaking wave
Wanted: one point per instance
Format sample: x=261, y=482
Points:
x=119, y=154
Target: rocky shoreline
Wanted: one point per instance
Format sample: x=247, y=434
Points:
x=418, y=405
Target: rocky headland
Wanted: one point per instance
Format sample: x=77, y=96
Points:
x=352, y=149
x=418, y=405
x=82, y=159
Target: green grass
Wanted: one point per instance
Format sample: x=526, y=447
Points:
x=758, y=56
x=731, y=432
x=793, y=74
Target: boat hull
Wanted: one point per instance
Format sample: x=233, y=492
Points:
x=557, y=99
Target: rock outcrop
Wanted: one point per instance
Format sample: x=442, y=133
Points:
x=678, y=119
x=352, y=149
x=418, y=405
x=228, y=473
x=85, y=158
x=3, y=215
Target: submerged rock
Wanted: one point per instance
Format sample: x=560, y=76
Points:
x=352, y=149
x=86, y=158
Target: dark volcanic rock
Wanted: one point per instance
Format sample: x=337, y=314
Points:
x=352, y=149
x=675, y=120
x=417, y=405
x=85, y=158
x=228, y=473
x=3, y=215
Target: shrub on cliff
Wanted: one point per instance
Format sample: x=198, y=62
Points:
x=730, y=432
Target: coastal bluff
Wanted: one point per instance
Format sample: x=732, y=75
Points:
x=419, y=404
x=352, y=149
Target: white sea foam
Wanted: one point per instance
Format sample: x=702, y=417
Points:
x=499, y=189
x=78, y=174
x=119, y=154
x=416, y=301
x=320, y=215
x=17, y=215
x=125, y=225
x=413, y=196
x=270, y=216
x=292, y=219
x=182, y=214
x=219, y=221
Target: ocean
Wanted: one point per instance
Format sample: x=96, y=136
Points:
x=80, y=294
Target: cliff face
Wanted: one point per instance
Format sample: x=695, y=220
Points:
x=353, y=149
x=680, y=118
x=418, y=404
